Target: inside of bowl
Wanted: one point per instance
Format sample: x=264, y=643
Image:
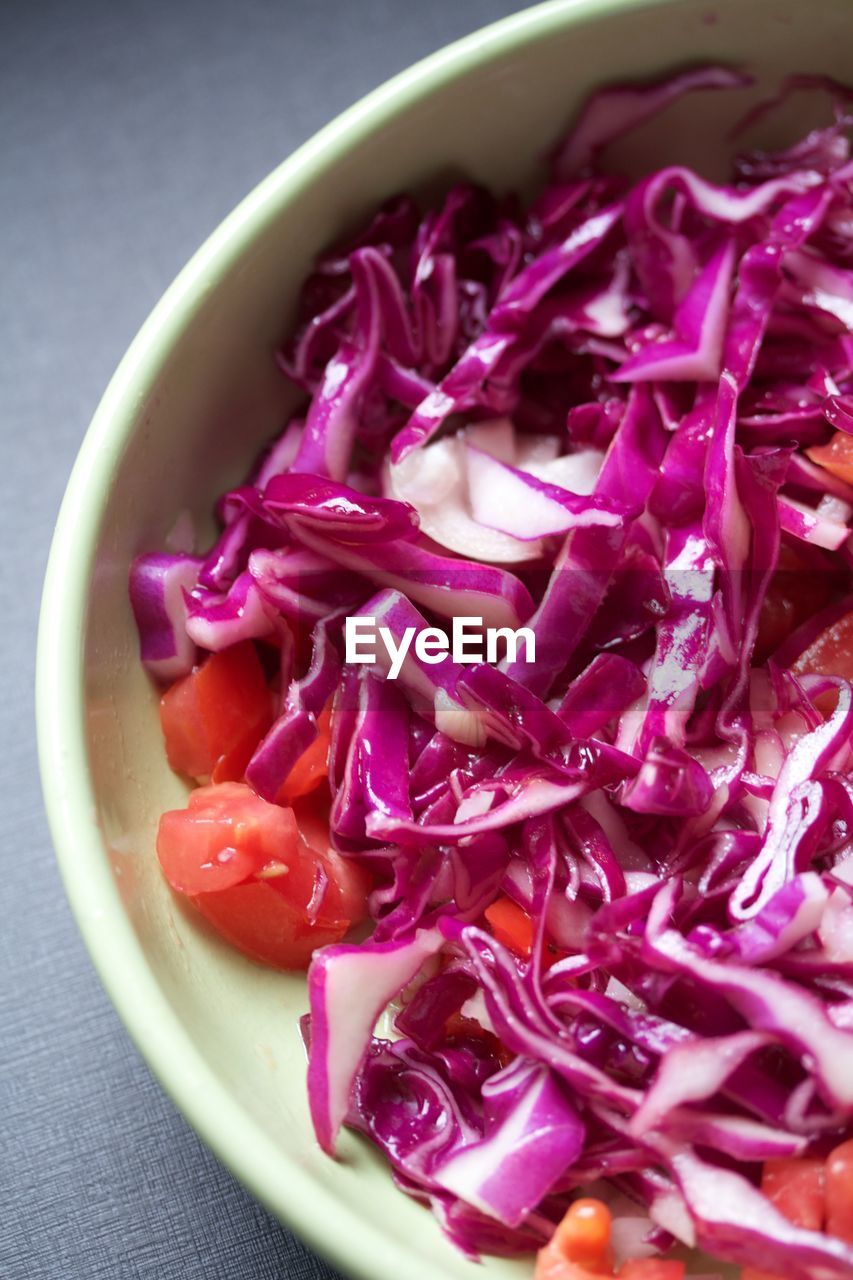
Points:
x=200, y=397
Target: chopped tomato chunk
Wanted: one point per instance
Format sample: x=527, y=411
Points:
x=512, y=926
x=584, y=1235
x=259, y=919
x=651, y=1269
x=831, y=653
x=836, y=456
x=460, y=1027
x=839, y=1192
x=580, y=1247
x=265, y=877
x=313, y=765
x=795, y=594
x=225, y=835
x=796, y=1188
x=214, y=718
x=552, y=1264
x=232, y=765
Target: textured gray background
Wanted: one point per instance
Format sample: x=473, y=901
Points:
x=127, y=131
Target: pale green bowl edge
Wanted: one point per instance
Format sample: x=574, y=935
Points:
x=322, y=1219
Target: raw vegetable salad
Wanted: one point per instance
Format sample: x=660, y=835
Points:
x=578, y=928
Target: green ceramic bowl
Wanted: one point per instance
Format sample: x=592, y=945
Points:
x=191, y=402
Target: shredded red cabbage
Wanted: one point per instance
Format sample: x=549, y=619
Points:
x=591, y=418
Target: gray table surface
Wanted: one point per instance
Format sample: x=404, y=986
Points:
x=128, y=129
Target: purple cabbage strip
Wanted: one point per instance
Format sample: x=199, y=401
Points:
x=531, y=1133
x=518, y=503
x=447, y=586
x=684, y=650
x=159, y=585
x=375, y=777
x=301, y=585
x=338, y=511
x=670, y=782
x=348, y=987
x=332, y=420
x=694, y=352
x=216, y=621
x=794, y=808
x=601, y=692
x=770, y=1004
x=613, y=112
x=578, y=583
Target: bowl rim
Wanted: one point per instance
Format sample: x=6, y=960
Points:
x=314, y=1212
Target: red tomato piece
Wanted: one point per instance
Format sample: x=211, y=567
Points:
x=214, y=718
x=259, y=919
x=458, y=1027
x=302, y=895
x=651, y=1269
x=266, y=877
x=552, y=1264
x=512, y=926
x=231, y=767
x=183, y=729
x=796, y=1187
x=584, y=1235
x=755, y=1273
x=836, y=456
x=313, y=765
x=795, y=594
x=831, y=653
x=225, y=835
x=580, y=1247
x=839, y=1192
